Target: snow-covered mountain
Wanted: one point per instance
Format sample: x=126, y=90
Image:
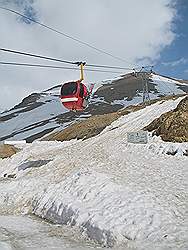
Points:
x=118, y=194
x=41, y=113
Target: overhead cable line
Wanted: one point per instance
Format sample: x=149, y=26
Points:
x=60, y=60
x=54, y=67
x=34, y=55
x=64, y=34
x=108, y=67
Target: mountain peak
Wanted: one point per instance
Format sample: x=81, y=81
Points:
x=41, y=113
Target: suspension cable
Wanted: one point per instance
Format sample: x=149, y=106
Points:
x=54, y=67
x=34, y=55
x=64, y=34
x=60, y=60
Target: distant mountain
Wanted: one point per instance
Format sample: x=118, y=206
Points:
x=41, y=113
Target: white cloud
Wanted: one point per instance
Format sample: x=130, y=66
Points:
x=176, y=62
x=129, y=29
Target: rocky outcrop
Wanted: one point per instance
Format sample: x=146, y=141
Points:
x=172, y=126
x=7, y=151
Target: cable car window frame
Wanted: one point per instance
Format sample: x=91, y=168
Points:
x=69, y=89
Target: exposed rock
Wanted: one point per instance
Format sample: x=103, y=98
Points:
x=7, y=151
x=172, y=126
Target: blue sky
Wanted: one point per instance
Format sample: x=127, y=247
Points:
x=174, y=58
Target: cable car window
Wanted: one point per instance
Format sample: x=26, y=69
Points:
x=81, y=90
x=69, y=88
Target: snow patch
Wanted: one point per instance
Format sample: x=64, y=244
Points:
x=167, y=86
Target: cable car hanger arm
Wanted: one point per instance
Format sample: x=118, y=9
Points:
x=81, y=64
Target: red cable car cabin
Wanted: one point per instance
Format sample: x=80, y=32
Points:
x=74, y=95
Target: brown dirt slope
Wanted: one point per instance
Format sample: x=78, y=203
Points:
x=84, y=129
x=7, y=151
x=90, y=127
x=172, y=126
x=93, y=125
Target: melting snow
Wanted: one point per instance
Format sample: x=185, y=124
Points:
x=166, y=85
x=20, y=232
x=113, y=191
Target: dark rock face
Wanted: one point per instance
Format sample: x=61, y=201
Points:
x=172, y=126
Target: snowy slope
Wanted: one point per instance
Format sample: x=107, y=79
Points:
x=35, y=114
x=41, y=113
x=167, y=85
x=113, y=191
x=21, y=232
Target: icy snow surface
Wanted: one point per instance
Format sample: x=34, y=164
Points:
x=166, y=85
x=21, y=233
x=114, y=192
